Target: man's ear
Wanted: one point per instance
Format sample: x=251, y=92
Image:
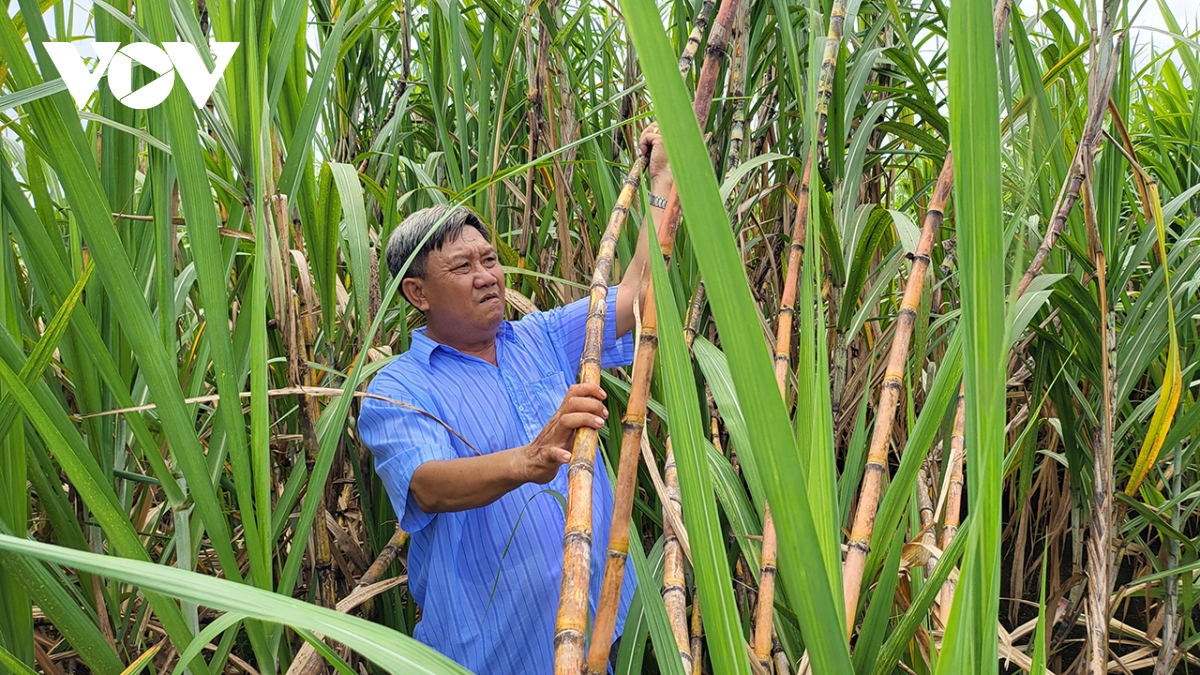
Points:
x=414, y=290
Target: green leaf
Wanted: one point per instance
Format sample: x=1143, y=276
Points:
x=801, y=564
x=714, y=582
x=970, y=640
x=394, y=652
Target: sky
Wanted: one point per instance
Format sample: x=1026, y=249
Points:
x=1144, y=35
x=1187, y=13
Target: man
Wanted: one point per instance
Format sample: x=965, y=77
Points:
x=485, y=562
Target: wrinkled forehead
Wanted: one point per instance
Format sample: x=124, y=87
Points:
x=468, y=242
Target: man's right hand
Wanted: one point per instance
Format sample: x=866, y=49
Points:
x=582, y=408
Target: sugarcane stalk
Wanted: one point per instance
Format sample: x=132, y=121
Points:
x=635, y=414
x=737, y=88
x=695, y=309
x=787, y=302
x=782, y=667
x=571, y=622
x=889, y=398
x=766, y=592
x=766, y=111
x=954, y=489
x=697, y=34
x=1081, y=168
x=307, y=660
x=674, y=592
x=618, y=539
x=536, y=96
x=1072, y=189
x=698, y=634
x=1099, y=542
x=925, y=507
x=787, y=311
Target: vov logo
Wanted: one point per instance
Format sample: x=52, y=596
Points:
x=171, y=58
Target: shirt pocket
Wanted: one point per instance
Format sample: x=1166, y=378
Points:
x=546, y=395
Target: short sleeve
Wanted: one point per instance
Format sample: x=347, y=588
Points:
x=566, y=328
x=401, y=439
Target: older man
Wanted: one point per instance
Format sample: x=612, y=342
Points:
x=485, y=562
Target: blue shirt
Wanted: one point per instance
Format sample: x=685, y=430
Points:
x=488, y=579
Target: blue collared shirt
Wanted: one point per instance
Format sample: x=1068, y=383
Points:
x=488, y=579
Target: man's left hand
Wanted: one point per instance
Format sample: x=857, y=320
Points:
x=651, y=143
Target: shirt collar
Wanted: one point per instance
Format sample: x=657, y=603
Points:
x=422, y=346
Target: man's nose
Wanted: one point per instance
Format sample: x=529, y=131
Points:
x=483, y=278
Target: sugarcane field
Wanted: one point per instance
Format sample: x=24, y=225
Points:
x=560, y=337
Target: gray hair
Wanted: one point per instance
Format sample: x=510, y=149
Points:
x=447, y=224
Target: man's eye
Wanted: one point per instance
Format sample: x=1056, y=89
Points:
x=463, y=267
x=490, y=260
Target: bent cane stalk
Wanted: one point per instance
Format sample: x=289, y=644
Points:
x=577, y=541
x=1081, y=168
x=643, y=368
x=889, y=398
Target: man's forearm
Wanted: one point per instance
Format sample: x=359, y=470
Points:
x=636, y=279
x=445, y=485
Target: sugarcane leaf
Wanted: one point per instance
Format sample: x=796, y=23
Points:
x=17, y=666
x=906, y=230
x=801, y=565
x=211, y=631
x=24, y=96
x=339, y=664
x=389, y=649
x=44, y=350
x=1168, y=401
x=918, y=610
x=139, y=664
x=715, y=367
x=875, y=624
x=1038, y=658
x=661, y=637
x=354, y=216
x=76, y=627
x=970, y=639
x=714, y=581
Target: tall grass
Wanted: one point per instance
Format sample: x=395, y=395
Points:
x=191, y=304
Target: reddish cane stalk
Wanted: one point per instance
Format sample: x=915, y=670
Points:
x=569, y=661
x=577, y=542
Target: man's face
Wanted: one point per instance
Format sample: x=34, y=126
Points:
x=463, y=288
